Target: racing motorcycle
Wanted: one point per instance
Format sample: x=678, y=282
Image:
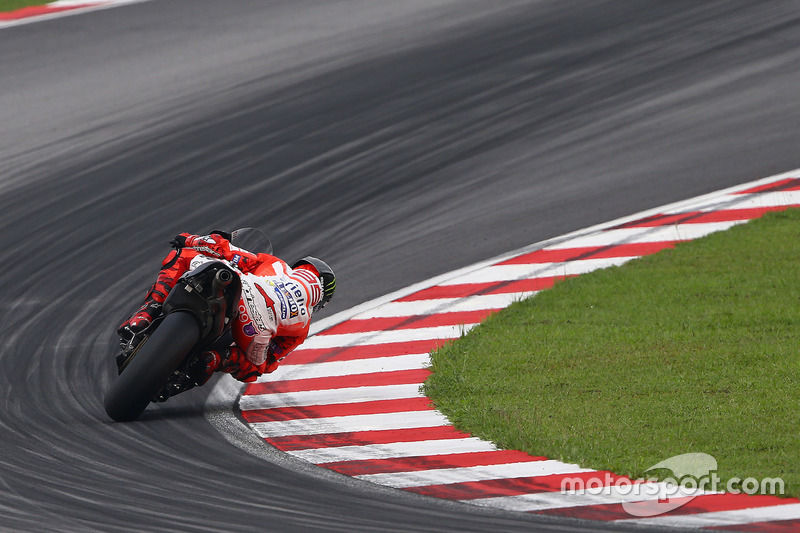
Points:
x=165, y=358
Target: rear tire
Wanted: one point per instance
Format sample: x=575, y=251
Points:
x=150, y=369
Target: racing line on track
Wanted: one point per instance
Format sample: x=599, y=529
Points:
x=349, y=398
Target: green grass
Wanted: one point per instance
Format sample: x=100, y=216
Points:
x=11, y=5
x=694, y=349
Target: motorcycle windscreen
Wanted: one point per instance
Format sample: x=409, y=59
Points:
x=251, y=239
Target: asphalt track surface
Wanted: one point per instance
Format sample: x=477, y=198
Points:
x=396, y=140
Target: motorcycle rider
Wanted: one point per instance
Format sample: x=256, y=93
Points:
x=275, y=308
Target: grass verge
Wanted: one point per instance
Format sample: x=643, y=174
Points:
x=693, y=349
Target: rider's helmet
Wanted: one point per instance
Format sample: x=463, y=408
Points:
x=326, y=276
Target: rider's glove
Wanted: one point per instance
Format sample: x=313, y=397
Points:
x=178, y=242
x=183, y=240
x=271, y=364
x=205, y=366
x=239, y=367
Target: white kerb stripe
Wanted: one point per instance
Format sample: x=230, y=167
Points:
x=727, y=202
x=395, y=450
x=472, y=473
x=330, y=396
x=749, y=201
x=444, y=305
x=608, y=495
x=349, y=368
x=771, y=513
x=349, y=424
x=675, y=232
x=501, y=273
x=383, y=337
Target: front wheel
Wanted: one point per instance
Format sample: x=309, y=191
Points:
x=150, y=369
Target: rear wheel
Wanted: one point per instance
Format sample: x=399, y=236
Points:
x=152, y=366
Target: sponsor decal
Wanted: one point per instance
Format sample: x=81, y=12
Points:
x=277, y=347
x=197, y=261
x=247, y=292
x=249, y=328
x=243, y=316
x=207, y=251
x=280, y=293
x=257, y=353
x=295, y=298
x=269, y=301
x=291, y=298
x=236, y=259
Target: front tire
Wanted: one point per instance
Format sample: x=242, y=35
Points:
x=150, y=369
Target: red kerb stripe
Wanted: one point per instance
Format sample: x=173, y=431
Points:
x=410, y=322
x=509, y=487
x=399, y=377
x=704, y=217
x=340, y=409
x=361, y=438
x=34, y=11
x=589, y=252
x=788, y=184
x=472, y=289
x=730, y=215
x=430, y=462
x=368, y=351
x=707, y=503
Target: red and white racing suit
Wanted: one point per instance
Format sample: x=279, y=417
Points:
x=274, y=309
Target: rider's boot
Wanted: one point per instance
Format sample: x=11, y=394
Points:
x=150, y=308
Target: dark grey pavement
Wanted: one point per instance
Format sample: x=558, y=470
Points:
x=398, y=140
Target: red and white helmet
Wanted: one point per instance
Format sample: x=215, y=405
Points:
x=326, y=277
